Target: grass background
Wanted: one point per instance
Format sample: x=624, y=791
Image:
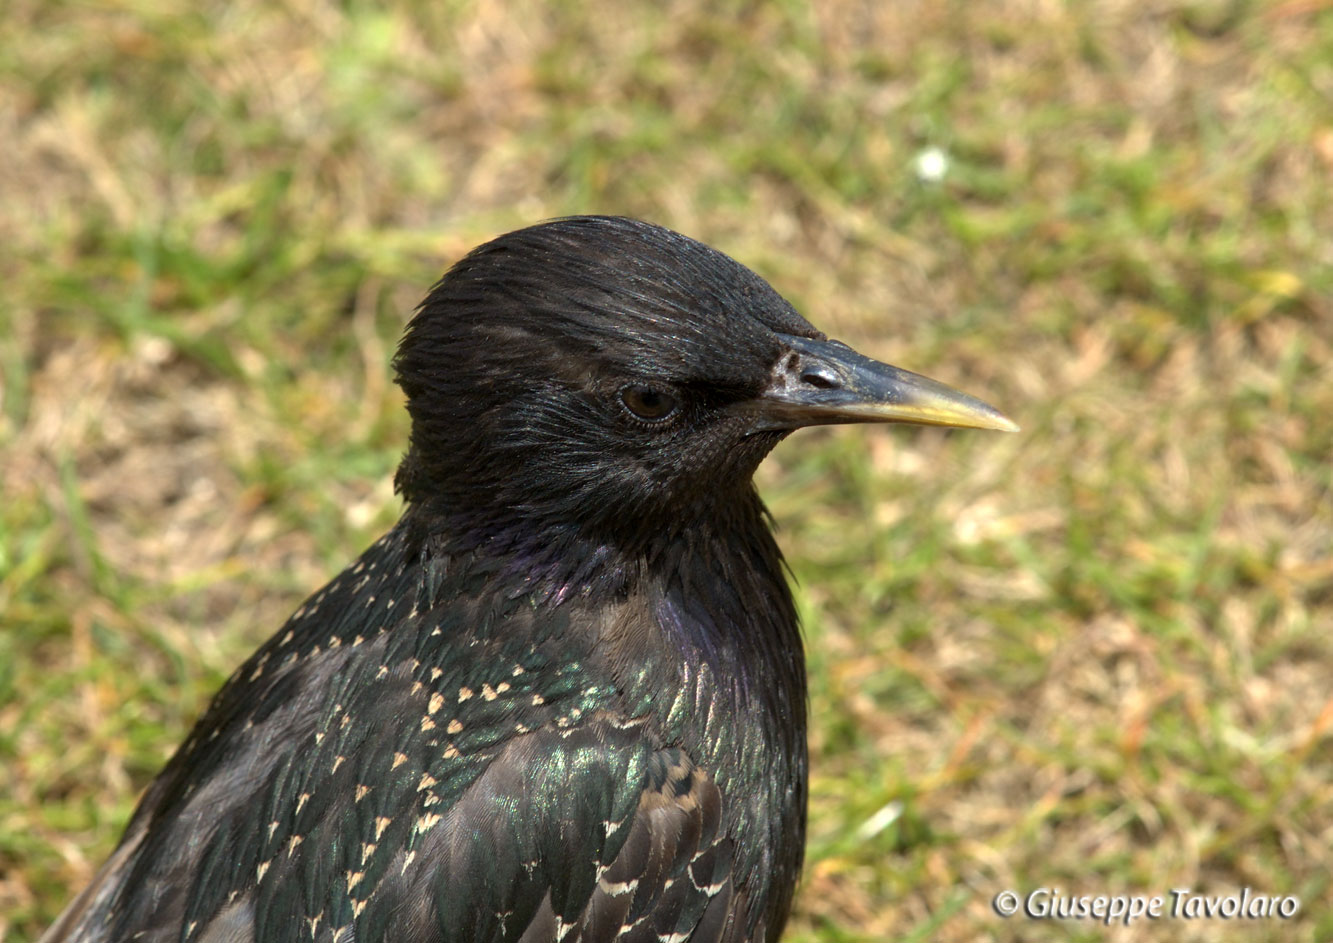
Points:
x=1096, y=656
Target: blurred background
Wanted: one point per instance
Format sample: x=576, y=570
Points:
x=1095, y=656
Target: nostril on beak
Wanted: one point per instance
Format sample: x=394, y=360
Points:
x=794, y=369
x=820, y=377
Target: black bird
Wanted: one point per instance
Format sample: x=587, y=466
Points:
x=564, y=698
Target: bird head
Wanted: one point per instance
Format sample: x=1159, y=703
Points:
x=613, y=379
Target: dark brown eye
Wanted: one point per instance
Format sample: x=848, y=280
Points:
x=647, y=402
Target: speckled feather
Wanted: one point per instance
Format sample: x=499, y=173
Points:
x=564, y=698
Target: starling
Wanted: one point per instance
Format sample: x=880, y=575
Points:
x=564, y=698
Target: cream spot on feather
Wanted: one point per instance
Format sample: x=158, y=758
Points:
x=426, y=822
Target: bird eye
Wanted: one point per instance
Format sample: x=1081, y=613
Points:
x=647, y=402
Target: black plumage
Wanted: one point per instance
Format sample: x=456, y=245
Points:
x=564, y=698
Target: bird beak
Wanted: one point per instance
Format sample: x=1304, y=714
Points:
x=819, y=382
